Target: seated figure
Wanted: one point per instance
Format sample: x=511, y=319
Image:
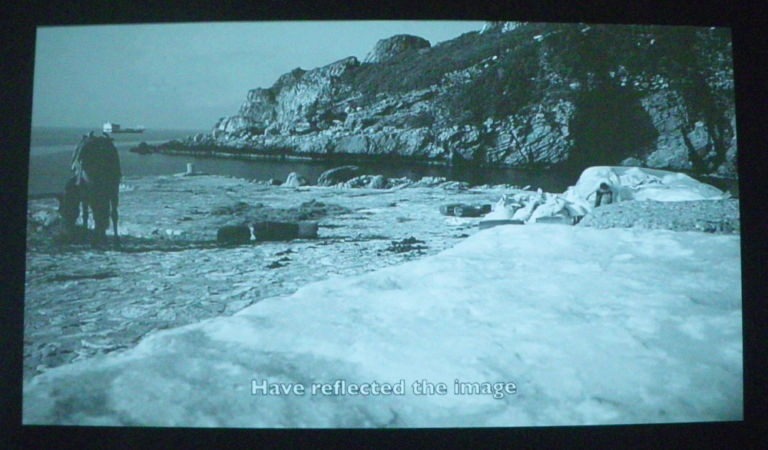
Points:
x=604, y=191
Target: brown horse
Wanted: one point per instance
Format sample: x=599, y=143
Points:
x=97, y=183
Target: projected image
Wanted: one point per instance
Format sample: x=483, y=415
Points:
x=382, y=224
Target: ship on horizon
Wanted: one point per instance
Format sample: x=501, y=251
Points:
x=110, y=127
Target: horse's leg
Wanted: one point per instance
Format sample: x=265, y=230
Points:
x=113, y=205
x=83, y=238
x=100, y=207
x=84, y=203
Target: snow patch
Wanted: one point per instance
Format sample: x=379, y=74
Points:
x=638, y=183
x=593, y=326
x=625, y=183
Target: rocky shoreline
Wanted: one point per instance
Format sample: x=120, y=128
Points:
x=209, y=149
x=82, y=302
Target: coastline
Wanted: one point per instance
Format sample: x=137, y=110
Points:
x=176, y=147
x=342, y=159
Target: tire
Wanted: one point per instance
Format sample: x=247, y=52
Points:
x=275, y=231
x=233, y=235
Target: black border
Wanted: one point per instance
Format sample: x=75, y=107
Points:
x=750, y=44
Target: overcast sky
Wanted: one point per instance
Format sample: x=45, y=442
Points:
x=186, y=76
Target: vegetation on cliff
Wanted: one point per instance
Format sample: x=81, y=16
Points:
x=514, y=94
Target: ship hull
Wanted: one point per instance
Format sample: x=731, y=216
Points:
x=127, y=130
x=110, y=127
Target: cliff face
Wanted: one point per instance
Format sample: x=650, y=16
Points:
x=521, y=95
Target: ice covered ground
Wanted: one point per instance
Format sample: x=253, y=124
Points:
x=640, y=183
x=624, y=183
x=593, y=327
x=80, y=302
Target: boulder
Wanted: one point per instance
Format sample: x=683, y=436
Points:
x=455, y=185
x=631, y=162
x=377, y=182
x=526, y=211
x=502, y=212
x=337, y=175
x=47, y=218
x=295, y=180
x=397, y=183
x=360, y=181
x=429, y=181
x=552, y=206
x=142, y=149
x=388, y=48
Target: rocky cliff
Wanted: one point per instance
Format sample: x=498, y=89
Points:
x=513, y=94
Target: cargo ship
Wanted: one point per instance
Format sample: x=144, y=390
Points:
x=110, y=127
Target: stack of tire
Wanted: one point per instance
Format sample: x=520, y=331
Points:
x=464, y=210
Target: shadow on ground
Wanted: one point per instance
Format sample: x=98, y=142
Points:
x=55, y=242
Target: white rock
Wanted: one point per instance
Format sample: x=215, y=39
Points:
x=295, y=180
